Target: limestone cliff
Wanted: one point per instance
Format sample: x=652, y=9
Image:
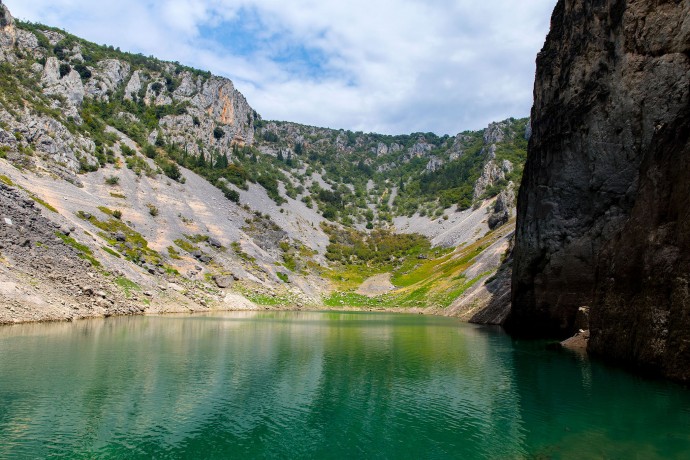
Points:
x=8, y=33
x=605, y=183
x=158, y=102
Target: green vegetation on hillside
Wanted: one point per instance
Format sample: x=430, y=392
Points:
x=435, y=280
x=359, y=182
x=369, y=179
x=357, y=179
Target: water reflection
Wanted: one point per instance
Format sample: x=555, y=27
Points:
x=301, y=385
x=576, y=408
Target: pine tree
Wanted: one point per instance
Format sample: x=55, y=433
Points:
x=201, y=160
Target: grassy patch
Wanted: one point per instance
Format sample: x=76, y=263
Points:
x=112, y=180
x=185, y=245
x=422, y=283
x=243, y=255
x=283, y=277
x=84, y=251
x=173, y=253
x=139, y=165
x=268, y=300
x=6, y=180
x=127, y=285
x=170, y=270
x=133, y=247
x=43, y=203
x=351, y=299
x=118, y=195
x=185, y=219
x=111, y=252
x=349, y=277
x=198, y=238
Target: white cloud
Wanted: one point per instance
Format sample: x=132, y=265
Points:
x=390, y=66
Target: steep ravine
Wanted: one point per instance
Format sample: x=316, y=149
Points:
x=602, y=211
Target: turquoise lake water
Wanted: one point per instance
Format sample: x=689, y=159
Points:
x=320, y=385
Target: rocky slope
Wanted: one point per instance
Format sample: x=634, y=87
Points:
x=604, y=195
x=161, y=187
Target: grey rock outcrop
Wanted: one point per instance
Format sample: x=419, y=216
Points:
x=134, y=84
x=492, y=173
x=381, y=149
x=199, y=105
x=495, y=132
x=214, y=103
x=503, y=208
x=8, y=33
x=420, y=149
x=223, y=281
x=106, y=78
x=68, y=86
x=28, y=42
x=600, y=213
x=434, y=164
x=49, y=137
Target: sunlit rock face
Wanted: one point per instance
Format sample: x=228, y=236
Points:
x=8, y=33
x=600, y=211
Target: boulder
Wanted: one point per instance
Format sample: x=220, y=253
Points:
x=223, y=281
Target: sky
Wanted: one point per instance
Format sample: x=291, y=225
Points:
x=386, y=66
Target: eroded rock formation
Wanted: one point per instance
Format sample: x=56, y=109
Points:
x=8, y=33
x=605, y=183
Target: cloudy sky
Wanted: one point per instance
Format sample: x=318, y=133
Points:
x=388, y=66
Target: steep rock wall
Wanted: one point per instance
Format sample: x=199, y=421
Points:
x=641, y=311
x=198, y=112
x=611, y=77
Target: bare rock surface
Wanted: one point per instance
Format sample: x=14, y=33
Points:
x=376, y=285
x=602, y=211
x=458, y=227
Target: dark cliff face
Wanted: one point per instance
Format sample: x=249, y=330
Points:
x=641, y=311
x=612, y=86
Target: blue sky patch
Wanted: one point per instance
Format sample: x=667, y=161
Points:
x=248, y=35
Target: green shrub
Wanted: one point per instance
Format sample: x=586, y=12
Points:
x=150, y=151
x=270, y=136
x=127, y=151
x=83, y=71
x=170, y=169
x=65, y=69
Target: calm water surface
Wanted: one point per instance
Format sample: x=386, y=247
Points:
x=319, y=385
